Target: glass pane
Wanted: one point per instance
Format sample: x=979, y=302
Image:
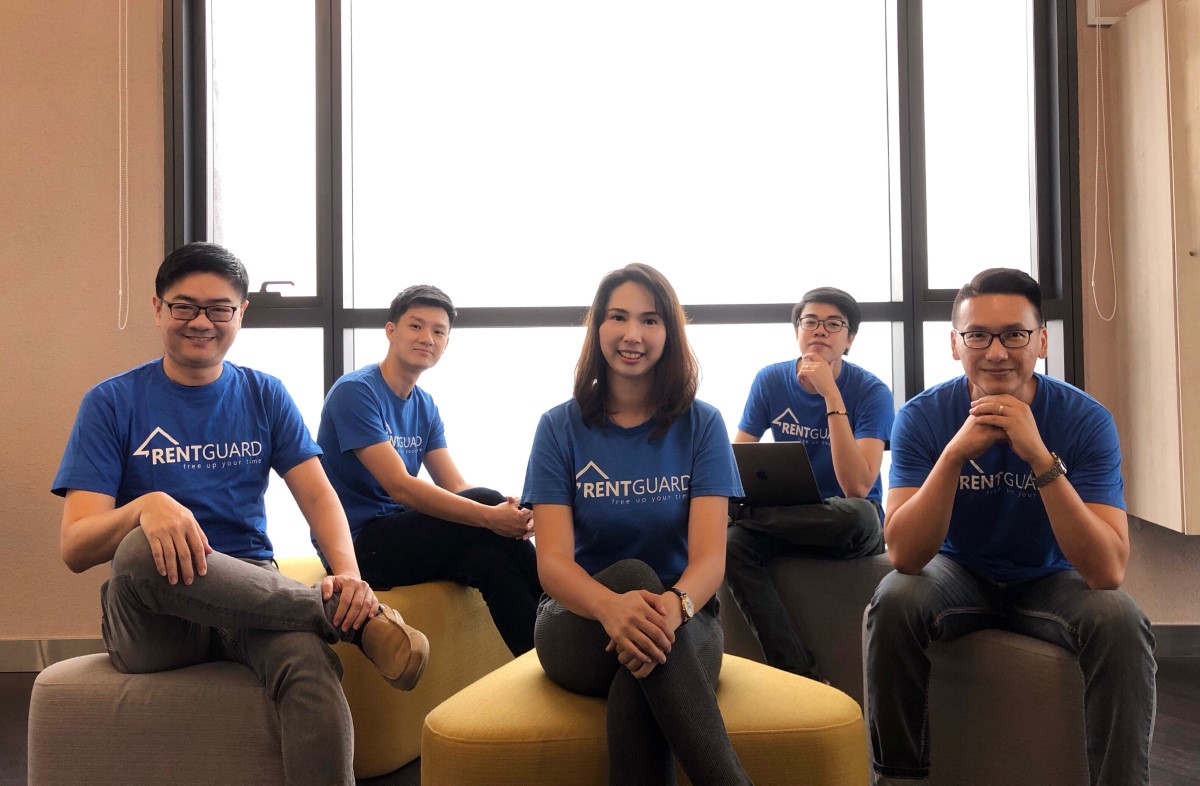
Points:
x=295, y=356
x=978, y=138
x=489, y=398
x=527, y=147
x=263, y=104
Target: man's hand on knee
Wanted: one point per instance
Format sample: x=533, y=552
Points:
x=176, y=540
x=356, y=601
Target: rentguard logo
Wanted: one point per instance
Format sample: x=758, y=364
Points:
x=175, y=453
x=994, y=481
x=789, y=424
x=403, y=443
x=593, y=483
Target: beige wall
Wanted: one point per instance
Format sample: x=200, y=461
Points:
x=58, y=252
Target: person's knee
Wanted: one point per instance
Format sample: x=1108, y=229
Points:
x=629, y=575
x=133, y=557
x=898, y=599
x=484, y=496
x=1113, y=617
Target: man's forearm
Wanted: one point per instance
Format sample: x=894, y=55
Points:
x=916, y=529
x=1096, y=545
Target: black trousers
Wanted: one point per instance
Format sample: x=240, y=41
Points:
x=411, y=547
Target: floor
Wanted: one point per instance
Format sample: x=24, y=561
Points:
x=1174, y=758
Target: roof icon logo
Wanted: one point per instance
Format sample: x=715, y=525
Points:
x=591, y=465
x=787, y=416
x=142, y=449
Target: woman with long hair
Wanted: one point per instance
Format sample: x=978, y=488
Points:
x=630, y=482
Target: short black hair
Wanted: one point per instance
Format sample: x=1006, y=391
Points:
x=424, y=295
x=202, y=258
x=1001, y=281
x=842, y=300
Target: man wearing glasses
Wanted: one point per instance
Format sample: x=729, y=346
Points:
x=1006, y=509
x=164, y=475
x=843, y=414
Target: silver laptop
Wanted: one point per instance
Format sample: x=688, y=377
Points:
x=776, y=474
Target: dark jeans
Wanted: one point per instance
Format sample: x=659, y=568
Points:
x=1105, y=628
x=411, y=547
x=672, y=709
x=838, y=529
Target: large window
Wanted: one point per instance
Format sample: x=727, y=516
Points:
x=513, y=152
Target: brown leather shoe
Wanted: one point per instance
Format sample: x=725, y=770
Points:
x=398, y=650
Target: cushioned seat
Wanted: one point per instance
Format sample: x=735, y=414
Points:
x=89, y=723
x=825, y=600
x=211, y=723
x=464, y=645
x=515, y=726
x=1004, y=708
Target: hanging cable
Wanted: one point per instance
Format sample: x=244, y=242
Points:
x=122, y=164
x=1101, y=143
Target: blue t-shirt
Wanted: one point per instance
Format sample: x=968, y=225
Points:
x=999, y=526
x=630, y=496
x=778, y=402
x=361, y=410
x=210, y=447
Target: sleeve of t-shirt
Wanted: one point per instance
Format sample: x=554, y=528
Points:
x=913, y=451
x=549, y=476
x=92, y=460
x=291, y=443
x=1095, y=466
x=714, y=472
x=436, y=438
x=875, y=413
x=357, y=416
x=755, y=417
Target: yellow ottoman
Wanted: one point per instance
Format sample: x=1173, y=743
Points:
x=515, y=726
x=464, y=645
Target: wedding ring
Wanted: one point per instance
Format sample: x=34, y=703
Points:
x=1001, y=412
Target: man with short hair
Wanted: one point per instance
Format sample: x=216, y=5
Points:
x=377, y=430
x=164, y=474
x=843, y=414
x=1006, y=510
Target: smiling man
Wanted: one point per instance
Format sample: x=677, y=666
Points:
x=843, y=414
x=164, y=475
x=377, y=430
x=1006, y=509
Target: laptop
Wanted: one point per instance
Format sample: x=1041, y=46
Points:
x=776, y=473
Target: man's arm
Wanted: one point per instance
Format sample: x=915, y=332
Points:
x=855, y=461
x=385, y=465
x=93, y=527
x=323, y=511
x=742, y=436
x=1093, y=537
x=918, y=518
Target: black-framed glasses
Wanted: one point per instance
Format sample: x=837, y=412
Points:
x=186, y=312
x=1011, y=339
x=832, y=324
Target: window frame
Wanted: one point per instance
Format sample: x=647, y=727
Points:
x=187, y=131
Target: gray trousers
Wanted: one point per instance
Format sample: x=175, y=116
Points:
x=838, y=529
x=674, y=709
x=243, y=611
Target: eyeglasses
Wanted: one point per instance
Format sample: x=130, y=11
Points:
x=832, y=325
x=186, y=312
x=981, y=339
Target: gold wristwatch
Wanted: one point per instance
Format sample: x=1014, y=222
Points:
x=685, y=605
